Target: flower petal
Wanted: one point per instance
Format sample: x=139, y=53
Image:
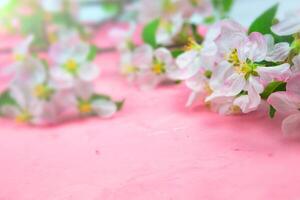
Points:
x=283, y=102
x=279, y=52
x=164, y=55
x=88, y=72
x=104, y=108
x=279, y=73
x=189, y=64
x=293, y=85
x=288, y=26
x=143, y=57
x=61, y=78
x=255, y=48
x=291, y=125
x=234, y=84
x=296, y=67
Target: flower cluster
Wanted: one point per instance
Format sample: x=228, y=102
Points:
x=57, y=88
x=234, y=69
x=168, y=25
x=174, y=16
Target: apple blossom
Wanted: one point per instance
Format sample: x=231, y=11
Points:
x=288, y=103
x=71, y=63
x=289, y=25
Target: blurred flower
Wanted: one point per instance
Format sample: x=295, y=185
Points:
x=147, y=67
x=288, y=26
x=167, y=9
x=23, y=50
x=71, y=62
x=288, y=103
x=52, y=5
x=169, y=29
x=88, y=103
x=27, y=108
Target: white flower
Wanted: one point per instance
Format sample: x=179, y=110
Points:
x=196, y=56
x=243, y=78
x=166, y=9
x=88, y=104
x=296, y=64
x=276, y=52
x=22, y=50
x=288, y=103
x=123, y=38
x=169, y=29
x=71, y=63
x=20, y=54
x=27, y=109
x=288, y=26
x=147, y=67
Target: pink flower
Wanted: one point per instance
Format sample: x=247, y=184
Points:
x=288, y=26
x=147, y=67
x=288, y=103
x=241, y=75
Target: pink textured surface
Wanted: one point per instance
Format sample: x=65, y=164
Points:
x=155, y=149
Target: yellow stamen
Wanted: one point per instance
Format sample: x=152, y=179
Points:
x=19, y=57
x=168, y=6
x=195, y=2
x=23, y=117
x=208, y=89
x=166, y=25
x=235, y=109
x=193, y=45
x=85, y=107
x=52, y=38
x=233, y=58
x=128, y=69
x=158, y=68
x=71, y=66
x=42, y=91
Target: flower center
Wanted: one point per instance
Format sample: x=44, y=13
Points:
x=233, y=58
x=19, y=57
x=166, y=25
x=246, y=68
x=71, y=66
x=195, y=2
x=235, y=109
x=42, y=91
x=158, y=68
x=168, y=6
x=85, y=107
x=129, y=69
x=207, y=89
x=23, y=117
x=193, y=45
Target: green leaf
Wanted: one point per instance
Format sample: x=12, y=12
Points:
x=6, y=99
x=197, y=37
x=120, y=104
x=34, y=25
x=273, y=87
x=223, y=6
x=99, y=96
x=175, y=53
x=264, y=22
x=272, y=112
x=209, y=20
x=92, y=53
x=149, y=33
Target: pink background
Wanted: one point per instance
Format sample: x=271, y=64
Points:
x=154, y=149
